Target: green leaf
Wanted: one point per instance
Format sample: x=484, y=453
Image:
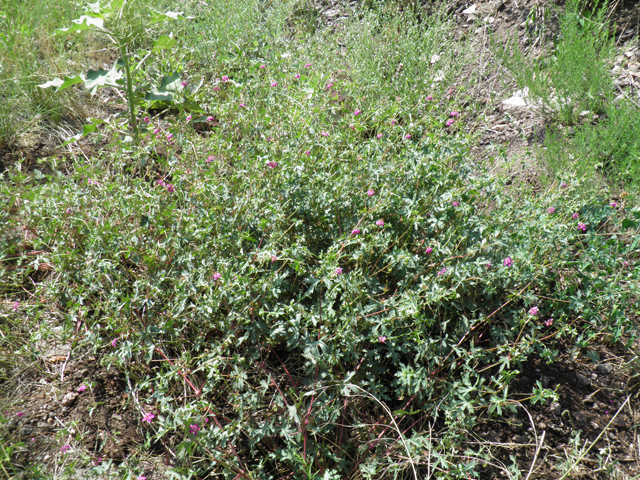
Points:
x=627, y=223
x=158, y=96
x=100, y=78
x=144, y=221
x=86, y=130
x=168, y=87
x=60, y=84
x=85, y=22
x=163, y=43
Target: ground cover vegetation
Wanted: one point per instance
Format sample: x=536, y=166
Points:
x=286, y=252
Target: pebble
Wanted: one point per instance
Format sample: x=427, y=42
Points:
x=582, y=380
x=69, y=398
x=604, y=369
x=555, y=408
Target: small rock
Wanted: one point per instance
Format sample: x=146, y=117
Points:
x=555, y=408
x=579, y=416
x=619, y=422
x=542, y=426
x=604, y=369
x=69, y=398
x=521, y=439
x=545, y=381
x=582, y=380
x=470, y=10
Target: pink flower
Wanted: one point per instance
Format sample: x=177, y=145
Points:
x=308, y=65
x=156, y=130
x=65, y=449
x=273, y=258
x=507, y=262
x=613, y=204
x=429, y=98
x=183, y=83
x=170, y=188
x=582, y=226
x=355, y=231
x=380, y=223
x=225, y=78
x=575, y=216
x=189, y=118
x=68, y=210
x=551, y=210
x=272, y=164
x=242, y=105
x=20, y=414
x=216, y=88
x=324, y=134
x=455, y=204
x=146, y=119
x=308, y=152
x=262, y=67
x=379, y=136
x=217, y=276
x=337, y=271
x=148, y=417
x=563, y=185
x=442, y=272
x=429, y=251
x=357, y=112
x=209, y=119
x=393, y=122
x=407, y=136
x=329, y=85
x=297, y=76
x=194, y=429
x=82, y=388
x=274, y=84
x=113, y=342
x=382, y=339
x=449, y=122
x=371, y=193
x=15, y=306
x=489, y=265
x=534, y=311
x=209, y=159
x=549, y=322
x=141, y=477
x=161, y=182
x=454, y=114
x=169, y=136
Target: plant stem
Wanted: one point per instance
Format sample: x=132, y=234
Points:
x=130, y=98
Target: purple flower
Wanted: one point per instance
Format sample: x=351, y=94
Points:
x=407, y=136
x=613, y=204
x=489, y=265
x=113, y=342
x=380, y=223
x=371, y=193
x=189, y=118
x=551, y=210
x=216, y=88
x=262, y=67
x=274, y=84
x=148, y=417
x=308, y=152
x=549, y=322
x=242, y=105
x=454, y=114
x=183, y=83
x=68, y=210
x=575, y=216
x=455, y=204
x=429, y=251
x=65, y=448
x=357, y=112
x=169, y=136
x=582, y=226
x=429, y=98
x=156, y=130
x=382, y=339
x=273, y=258
x=209, y=159
x=534, y=311
x=82, y=388
x=355, y=231
x=297, y=76
x=324, y=134
x=170, y=188
x=146, y=119
x=272, y=164
x=442, y=272
x=209, y=119
x=194, y=429
x=308, y=65
x=379, y=136
x=563, y=185
x=449, y=122
x=225, y=78
x=507, y=262
x=141, y=477
x=20, y=414
x=161, y=182
x=337, y=271
x=217, y=276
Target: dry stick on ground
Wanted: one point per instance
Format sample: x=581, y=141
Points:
x=584, y=453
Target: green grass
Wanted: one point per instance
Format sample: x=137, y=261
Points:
x=318, y=279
